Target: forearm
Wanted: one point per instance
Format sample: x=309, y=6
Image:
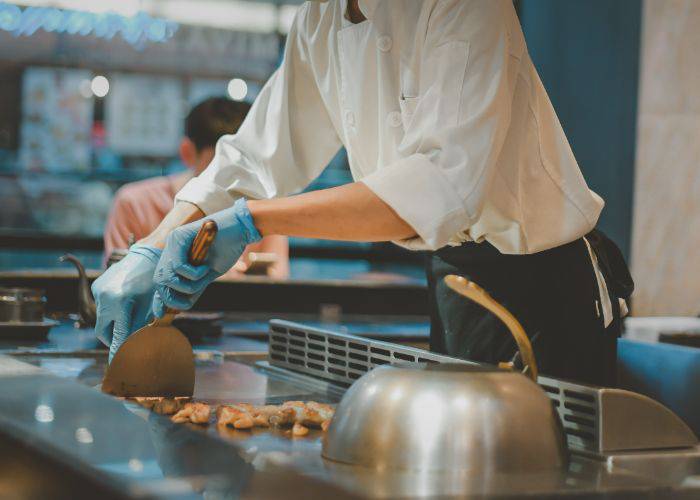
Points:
x=351, y=213
x=182, y=213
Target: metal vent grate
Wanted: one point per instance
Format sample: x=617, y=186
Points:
x=343, y=358
x=578, y=410
x=337, y=357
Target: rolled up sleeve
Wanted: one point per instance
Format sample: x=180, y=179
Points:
x=284, y=142
x=454, y=137
x=207, y=195
x=426, y=200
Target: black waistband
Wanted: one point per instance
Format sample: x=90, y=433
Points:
x=486, y=249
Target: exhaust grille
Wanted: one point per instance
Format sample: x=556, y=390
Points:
x=343, y=358
x=337, y=357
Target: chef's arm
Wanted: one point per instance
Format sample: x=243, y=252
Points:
x=351, y=213
x=285, y=142
x=181, y=214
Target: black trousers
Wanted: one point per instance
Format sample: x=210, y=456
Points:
x=552, y=293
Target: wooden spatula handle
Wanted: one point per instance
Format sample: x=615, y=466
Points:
x=197, y=255
x=202, y=242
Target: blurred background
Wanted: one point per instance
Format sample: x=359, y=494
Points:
x=93, y=95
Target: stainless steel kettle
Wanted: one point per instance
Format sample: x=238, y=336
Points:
x=87, y=311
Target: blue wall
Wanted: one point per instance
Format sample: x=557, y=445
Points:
x=587, y=54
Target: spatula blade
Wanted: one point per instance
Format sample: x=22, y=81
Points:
x=154, y=361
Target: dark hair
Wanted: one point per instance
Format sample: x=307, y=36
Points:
x=212, y=118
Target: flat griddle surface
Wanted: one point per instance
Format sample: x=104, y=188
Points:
x=219, y=379
x=164, y=451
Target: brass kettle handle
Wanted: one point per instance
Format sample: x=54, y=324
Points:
x=474, y=292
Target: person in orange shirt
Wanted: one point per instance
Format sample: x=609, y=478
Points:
x=139, y=207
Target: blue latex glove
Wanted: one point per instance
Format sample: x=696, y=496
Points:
x=123, y=296
x=178, y=283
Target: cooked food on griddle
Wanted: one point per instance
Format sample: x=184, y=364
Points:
x=196, y=413
x=297, y=414
x=235, y=416
x=162, y=406
x=311, y=413
x=260, y=415
x=147, y=403
x=168, y=406
x=299, y=430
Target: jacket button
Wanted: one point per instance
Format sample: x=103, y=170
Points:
x=394, y=119
x=350, y=118
x=384, y=43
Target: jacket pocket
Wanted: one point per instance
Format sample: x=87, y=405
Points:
x=408, y=108
x=442, y=80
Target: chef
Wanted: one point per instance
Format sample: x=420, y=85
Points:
x=454, y=147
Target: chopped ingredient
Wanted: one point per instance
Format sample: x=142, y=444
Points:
x=169, y=406
x=162, y=406
x=299, y=430
x=197, y=413
x=291, y=413
x=298, y=415
x=234, y=415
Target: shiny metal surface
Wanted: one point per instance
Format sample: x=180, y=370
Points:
x=145, y=453
x=600, y=420
x=336, y=356
x=446, y=418
x=595, y=419
x=28, y=474
x=149, y=456
x=154, y=361
x=678, y=465
x=87, y=310
x=653, y=427
x=22, y=305
x=220, y=378
x=157, y=360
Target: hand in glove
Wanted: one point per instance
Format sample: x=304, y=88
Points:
x=123, y=296
x=178, y=283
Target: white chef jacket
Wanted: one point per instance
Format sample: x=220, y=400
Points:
x=442, y=114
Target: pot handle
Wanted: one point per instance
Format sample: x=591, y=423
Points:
x=474, y=292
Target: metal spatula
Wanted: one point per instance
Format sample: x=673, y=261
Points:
x=157, y=360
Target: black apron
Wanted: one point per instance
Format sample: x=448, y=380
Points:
x=554, y=294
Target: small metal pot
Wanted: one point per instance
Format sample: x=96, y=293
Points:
x=22, y=305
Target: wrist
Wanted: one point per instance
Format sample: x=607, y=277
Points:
x=148, y=251
x=156, y=239
x=245, y=218
x=256, y=209
x=159, y=236
x=181, y=214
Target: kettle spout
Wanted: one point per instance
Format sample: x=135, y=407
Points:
x=86, y=302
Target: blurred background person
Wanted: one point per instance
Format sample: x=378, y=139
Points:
x=140, y=206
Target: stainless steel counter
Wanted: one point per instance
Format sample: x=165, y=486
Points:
x=50, y=399
x=56, y=406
